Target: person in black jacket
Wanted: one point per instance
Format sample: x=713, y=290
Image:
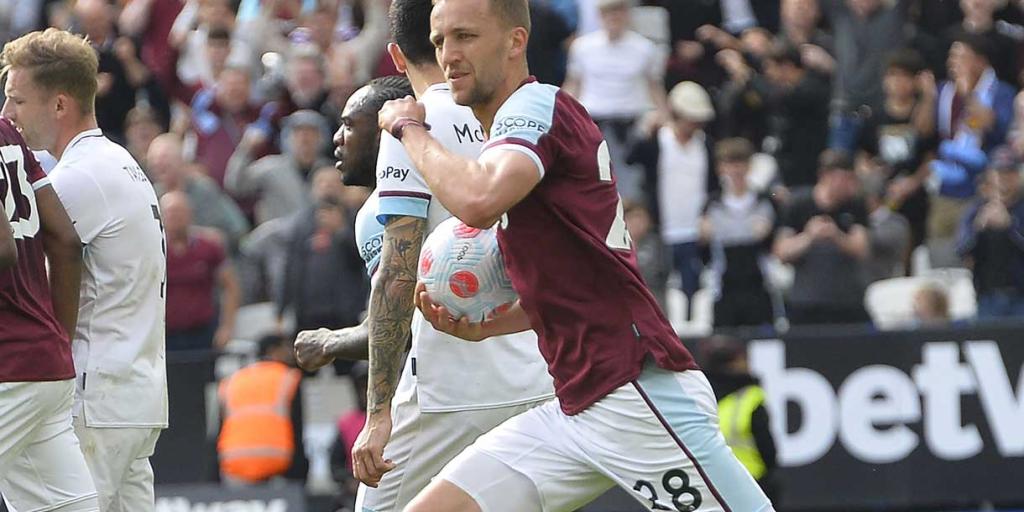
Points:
x=796, y=101
x=324, y=282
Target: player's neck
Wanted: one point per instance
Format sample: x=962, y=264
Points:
x=66, y=133
x=424, y=77
x=485, y=112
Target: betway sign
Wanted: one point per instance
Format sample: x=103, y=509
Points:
x=181, y=504
x=216, y=498
x=905, y=419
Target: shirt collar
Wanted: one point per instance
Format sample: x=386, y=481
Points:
x=438, y=87
x=95, y=132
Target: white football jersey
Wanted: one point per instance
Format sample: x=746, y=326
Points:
x=450, y=374
x=118, y=344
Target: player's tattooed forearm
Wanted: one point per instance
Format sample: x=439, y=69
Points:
x=391, y=307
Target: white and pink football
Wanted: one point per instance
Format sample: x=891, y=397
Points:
x=463, y=270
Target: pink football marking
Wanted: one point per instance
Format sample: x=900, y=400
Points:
x=500, y=310
x=464, y=231
x=426, y=261
x=464, y=284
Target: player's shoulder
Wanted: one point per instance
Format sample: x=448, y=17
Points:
x=531, y=107
x=8, y=133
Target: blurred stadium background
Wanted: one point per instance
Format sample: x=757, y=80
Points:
x=893, y=373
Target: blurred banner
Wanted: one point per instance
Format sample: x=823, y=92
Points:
x=212, y=497
x=877, y=421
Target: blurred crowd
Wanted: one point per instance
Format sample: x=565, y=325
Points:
x=775, y=156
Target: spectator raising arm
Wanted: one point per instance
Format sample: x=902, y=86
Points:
x=64, y=251
x=134, y=17
x=8, y=249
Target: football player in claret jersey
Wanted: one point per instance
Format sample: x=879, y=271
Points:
x=118, y=342
x=41, y=463
x=632, y=408
x=419, y=418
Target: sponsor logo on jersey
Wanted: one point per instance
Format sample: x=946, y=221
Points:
x=371, y=248
x=397, y=173
x=518, y=123
x=466, y=133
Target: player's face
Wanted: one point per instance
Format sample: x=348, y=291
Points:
x=357, y=141
x=472, y=48
x=32, y=109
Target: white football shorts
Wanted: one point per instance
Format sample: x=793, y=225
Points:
x=656, y=437
x=41, y=464
x=422, y=443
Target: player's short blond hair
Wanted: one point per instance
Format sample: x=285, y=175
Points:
x=58, y=61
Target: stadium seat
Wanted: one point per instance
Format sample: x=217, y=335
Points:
x=890, y=302
x=702, y=313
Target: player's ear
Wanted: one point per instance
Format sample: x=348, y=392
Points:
x=517, y=42
x=397, y=57
x=61, y=104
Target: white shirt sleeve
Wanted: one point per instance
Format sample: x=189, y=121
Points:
x=400, y=186
x=84, y=201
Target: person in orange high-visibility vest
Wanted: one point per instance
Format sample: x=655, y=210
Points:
x=261, y=431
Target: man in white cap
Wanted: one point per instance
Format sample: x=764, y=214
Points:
x=617, y=74
x=678, y=160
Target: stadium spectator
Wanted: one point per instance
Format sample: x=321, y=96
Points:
x=801, y=21
x=864, y=31
x=260, y=437
x=211, y=207
x=305, y=87
x=279, y=183
x=141, y=127
x=220, y=115
x=931, y=307
x=150, y=22
x=678, y=160
x=324, y=281
x=1003, y=38
x=795, y=102
x=742, y=414
x=974, y=110
x=737, y=225
x=617, y=75
x=991, y=241
x=198, y=273
x=888, y=233
x=202, y=34
x=120, y=71
x=652, y=256
x=824, y=236
x=897, y=139
x=546, y=49
x=349, y=426
x=261, y=261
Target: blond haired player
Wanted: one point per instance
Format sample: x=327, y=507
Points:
x=118, y=344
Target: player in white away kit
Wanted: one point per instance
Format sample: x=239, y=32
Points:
x=118, y=345
x=435, y=415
